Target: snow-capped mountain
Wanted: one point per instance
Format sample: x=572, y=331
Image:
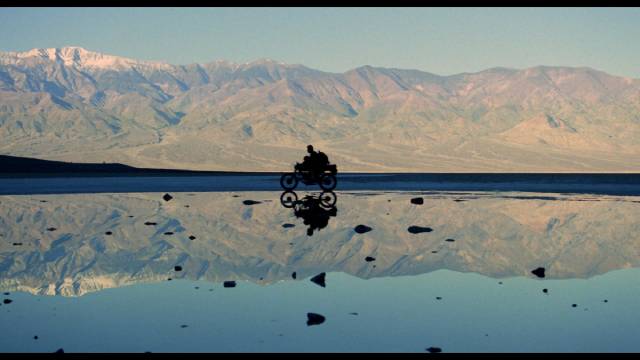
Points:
x=76, y=105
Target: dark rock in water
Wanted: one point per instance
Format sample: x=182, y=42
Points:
x=361, y=229
x=35, y=337
x=51, y=229
x=574, y=305
x=419, y=229
x=438, y=298
x=459, y=200
x=169, y=279
x=539, y=272
x=150, y=223
x=235, y=195
x=184, y=326
x=59, y=351
x=294, y=275
x=108, y=233
x=167, y=197
x=251, y=202
x=450, y=240
x=192, y=237
x=17, y=244
x=168, y=233
x=353, y=313
x=197, y=287
x=286, y=226
x=500, y=282
x=545, y=291
x=177, y=268
x=319, y=279
x=417, y=201
x=605, y=300
x=7, y=293
x=369, y=259
x=7, y=301
x=130, y=216
x=186, y=206
x=229, y=284
x=434, y=349
x=43, y=201
x=314, y=319
x=434, y=251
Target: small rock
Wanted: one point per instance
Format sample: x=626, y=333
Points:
x=419, y=229
x=60, y=351
x=192, y=237
x=286, y=226
x=438, y=298
x=51, y=229
x=319, y=279
x=539, y=272
x=150, y=223
x=417, y=201
x=35, y=337
x=17, y=244
x=167, y=197
x=361, y=229
x=186, y=206
x=177, y=268
x=169, y=279
x=229, y=284
x=168, y=233
x=369, y=259
x=314, y=319
x=184, y=326
x=251, y=202
x=545, y=291
x=605, y=300
x=108, y=233
x=450, y=240
x=434, y=252
x=574, y=305
x=294, y=275
x=7, y=301
x=434, y=349
x=353, y=313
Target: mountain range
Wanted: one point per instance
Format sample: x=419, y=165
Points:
x=72, y=104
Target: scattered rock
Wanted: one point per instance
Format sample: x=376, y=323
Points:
x=605, y=300
x=251, y=202
x=168, y=233
x=150, y=223
x=51, y=229
x=184, y=326
x=450, y=240
x=167, y=197
x=539, y=272
x=499, y=282
x=417, y=201
x=361, y=229
x=353, y=313
x=545, y=291
x=43, y=201
x=574, y=305
x=319, y=279
x=236, y=195
x=438, y=298
x=177, y=268
x=229, y=284
x=7, y=301
x=17, y=244
x=434, y=251
x=369, y=259
x=286, y=226
x=60, y=351
x=192, y=237
x=419, y=229
x=169, y=279
x=294, y=275
x=459, y=200
x=434, y=349
x=35, y=337
x=108, y=233
x=186, y=206
x=130, y=216
x=314, y=319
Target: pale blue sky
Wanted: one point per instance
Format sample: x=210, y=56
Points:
x=439, y=40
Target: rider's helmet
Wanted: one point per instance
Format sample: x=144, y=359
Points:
x=309, y=148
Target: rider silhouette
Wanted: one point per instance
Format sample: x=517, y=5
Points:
x=315, y=161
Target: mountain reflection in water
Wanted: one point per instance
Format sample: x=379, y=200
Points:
x=73, y=244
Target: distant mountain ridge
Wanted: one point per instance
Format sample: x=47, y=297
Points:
x=76, y=105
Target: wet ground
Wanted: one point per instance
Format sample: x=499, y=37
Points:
x=462, y=271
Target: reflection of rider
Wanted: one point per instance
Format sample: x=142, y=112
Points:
x=313, y=214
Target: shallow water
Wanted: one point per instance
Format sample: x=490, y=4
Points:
x=87, y=274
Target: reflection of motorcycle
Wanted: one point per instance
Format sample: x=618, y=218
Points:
x=315, y=210
x=325, y=177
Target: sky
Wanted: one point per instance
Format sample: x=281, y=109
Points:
x=444, y=41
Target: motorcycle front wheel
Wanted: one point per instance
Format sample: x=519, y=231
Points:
x=289, y=181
